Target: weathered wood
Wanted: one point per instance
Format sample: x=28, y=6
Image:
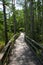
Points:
x=21, y=53
x=34, y=42
x=4, y=55
x=37, y=48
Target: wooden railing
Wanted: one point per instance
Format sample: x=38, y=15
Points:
x=4, y=55
x=36, y=48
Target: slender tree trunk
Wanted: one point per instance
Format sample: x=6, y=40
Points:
x=32, y=18
x=14, y=16
x=26, y=17
x=39, y=14
x=42, y=20
x=39, y=18
x=5, y=23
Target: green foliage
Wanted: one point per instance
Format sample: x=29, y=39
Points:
x=20, y=21
x=1, y=26
x=23, y=20
x=34, y=19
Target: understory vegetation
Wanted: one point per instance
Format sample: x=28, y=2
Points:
x=28, y=19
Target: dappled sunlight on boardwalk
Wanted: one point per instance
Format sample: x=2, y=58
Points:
x=21, y=53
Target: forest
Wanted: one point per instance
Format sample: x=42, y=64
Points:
x=21, y=16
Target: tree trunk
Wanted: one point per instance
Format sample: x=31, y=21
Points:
x=42, y=21
x=39, y=18
x=26, y=17
x=5, y=23
x=14, y=16
x=32, y=18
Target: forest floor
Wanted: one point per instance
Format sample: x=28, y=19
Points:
x=21, y=54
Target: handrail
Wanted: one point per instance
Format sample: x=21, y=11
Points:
x=5, y=52
x=34, y=42
x=37, y=48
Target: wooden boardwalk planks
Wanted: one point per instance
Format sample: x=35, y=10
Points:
x=21, y=53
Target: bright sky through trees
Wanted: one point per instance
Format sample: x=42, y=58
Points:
x=17, y=7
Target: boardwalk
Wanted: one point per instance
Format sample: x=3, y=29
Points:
x=21, y=53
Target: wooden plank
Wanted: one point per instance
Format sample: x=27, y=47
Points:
x=34, y=42
x=35, y=47
x=5, y=52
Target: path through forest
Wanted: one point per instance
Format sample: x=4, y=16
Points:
x=21, y=53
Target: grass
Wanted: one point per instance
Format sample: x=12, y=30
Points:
x=2, y=43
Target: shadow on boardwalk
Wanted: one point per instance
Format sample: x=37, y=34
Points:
x=21, y=53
